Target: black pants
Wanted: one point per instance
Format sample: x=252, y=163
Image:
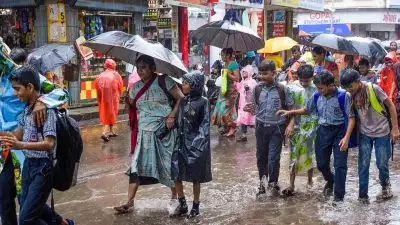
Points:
x=7, y=194
x=269, y=147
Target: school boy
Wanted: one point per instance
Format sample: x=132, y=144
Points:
x=332, y=106
x=269, y=97
x=376, y=114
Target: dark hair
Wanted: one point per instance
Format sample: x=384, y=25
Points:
x=324, y=78
x=363, y=62
x=348, y=57
x=305, y=71
x=319, y=50
x=27, y=75
x=295, y=48
x=393, y=42
x=267, y=65
x=349, y=77
x=147, y=60
x=18, y=55
x=228, y=51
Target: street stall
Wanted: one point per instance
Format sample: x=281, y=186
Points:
x=17, y=20
x=97, y=17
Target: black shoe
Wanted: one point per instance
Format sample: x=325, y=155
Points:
x=195, y=211
x=261, y=190
x=328, y=189
x=386, y=193
x=273, y=187
x=363, y=200
x=182, y=208
x=241, y=139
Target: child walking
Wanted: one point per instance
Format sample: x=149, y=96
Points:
x=370, y=101
x=269, y=97
x=193, y=161
x=37, y=146
x=332, y=106
x=302, y=129
x=246, y=90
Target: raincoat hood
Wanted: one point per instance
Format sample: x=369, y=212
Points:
x=389, y=57
x=110, y=64
x=249, y=70
x=196, y=81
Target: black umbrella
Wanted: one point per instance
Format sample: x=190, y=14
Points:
x=333, y=43
x=229, y=34
x=52, y=56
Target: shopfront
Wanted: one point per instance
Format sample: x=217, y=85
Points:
x=382, y=24
x=96, y=17
x=17, y=19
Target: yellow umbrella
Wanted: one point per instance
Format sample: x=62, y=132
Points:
x=277, y=44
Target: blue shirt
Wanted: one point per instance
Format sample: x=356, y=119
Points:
x=32, y=134
x=270, y=103
x=328, y=108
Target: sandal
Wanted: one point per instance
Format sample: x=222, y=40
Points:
x=125, y=208
x=288, y=192
x=114, y=135
x=230, y=134
x=105, y=138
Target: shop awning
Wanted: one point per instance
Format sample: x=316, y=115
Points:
x=19, y=3
x=110, y=5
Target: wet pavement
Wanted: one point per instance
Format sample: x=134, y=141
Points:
x=228, y=199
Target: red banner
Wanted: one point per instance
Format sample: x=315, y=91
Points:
x=278, y=29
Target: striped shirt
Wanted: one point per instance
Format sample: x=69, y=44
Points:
x=31, y=132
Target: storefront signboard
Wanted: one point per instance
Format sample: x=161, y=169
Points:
x=394, y=4
x=278, y=24
x=188, y=3
x=317, y=5
x=347, y=17
x=255, y=4
x=56, y=23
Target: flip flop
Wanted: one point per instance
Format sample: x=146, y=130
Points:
x=113, y=135
x=105, y=138
x=124, y=208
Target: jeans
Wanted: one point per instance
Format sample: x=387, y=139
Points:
x=7, y=194
x=383, y=149
x=269, y=147
x=328, y=139
x=37, y=183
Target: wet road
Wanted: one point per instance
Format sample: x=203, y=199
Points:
x=228, y=199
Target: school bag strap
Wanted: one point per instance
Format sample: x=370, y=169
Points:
x=315, y=99
x=375, y=104
x=341, y=95
x=281, y=92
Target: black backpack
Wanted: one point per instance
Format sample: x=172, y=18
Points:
x=68, y=152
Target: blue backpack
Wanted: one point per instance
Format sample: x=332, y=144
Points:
x=341, y=95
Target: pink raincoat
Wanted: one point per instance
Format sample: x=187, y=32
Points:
x=246, y=97
x=109, y=86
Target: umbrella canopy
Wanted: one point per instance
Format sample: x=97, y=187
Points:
x=229, y=34
x=334, y=43
x=52, y=56
x=367, y=47
x=128, y=48
x=277, y=44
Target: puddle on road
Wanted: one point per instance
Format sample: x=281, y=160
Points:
x=228, y=199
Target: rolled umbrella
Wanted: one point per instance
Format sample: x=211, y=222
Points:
x=277, y=44
x=52, y=56
x=229, y=34
x=131, y=48
x=333, y=43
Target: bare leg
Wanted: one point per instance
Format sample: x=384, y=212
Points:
x=179, y=189
x=310, y=176
x=292, y=179
x=289, y=191
x=106, y=129
x=112, y=130
x=196, y=192
x=173, y=193
x=132, y=189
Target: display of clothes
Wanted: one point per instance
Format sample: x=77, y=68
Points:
x=17, y=29
x=93, y=26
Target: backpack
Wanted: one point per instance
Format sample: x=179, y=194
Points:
x=341, y=95
x=68, y=152
x=281, y=92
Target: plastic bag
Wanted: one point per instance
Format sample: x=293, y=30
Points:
x=224, y=82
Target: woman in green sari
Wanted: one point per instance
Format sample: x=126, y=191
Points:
x=225, y=113
x=153, y=133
